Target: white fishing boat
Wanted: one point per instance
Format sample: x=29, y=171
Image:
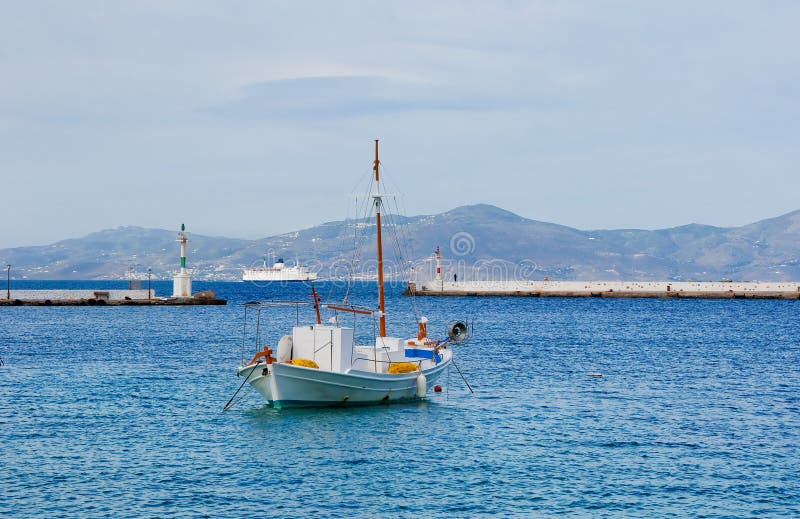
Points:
x=322, y=365
x=279, y=272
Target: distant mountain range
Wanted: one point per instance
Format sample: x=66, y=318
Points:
x=477, y=241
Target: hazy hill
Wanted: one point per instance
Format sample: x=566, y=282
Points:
x=476, y=241
x=108, y=254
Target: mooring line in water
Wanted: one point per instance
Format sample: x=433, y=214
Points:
x=462, y=375
x=228, y=405
x=238, y=400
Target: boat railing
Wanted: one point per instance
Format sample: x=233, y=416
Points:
x=374, y=363
x=256, y=307
x=276, y=303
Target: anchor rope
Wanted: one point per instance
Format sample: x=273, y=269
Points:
x=228, y=405
x=453, y=361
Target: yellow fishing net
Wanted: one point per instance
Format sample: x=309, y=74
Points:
x=306, y=363
x=395, y=368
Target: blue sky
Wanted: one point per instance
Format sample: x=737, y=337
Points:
x=248, y=119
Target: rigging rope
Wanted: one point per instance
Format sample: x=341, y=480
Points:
x=397, y=234
x=401, y=242
x=357, y=238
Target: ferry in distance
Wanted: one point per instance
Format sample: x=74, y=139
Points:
x=279, y=272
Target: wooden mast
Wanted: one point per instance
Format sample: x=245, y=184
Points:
x=377, y=197
x=316, y=303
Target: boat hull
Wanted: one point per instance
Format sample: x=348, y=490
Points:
x=286, y=385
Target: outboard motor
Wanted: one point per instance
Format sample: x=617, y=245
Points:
x=457, y=332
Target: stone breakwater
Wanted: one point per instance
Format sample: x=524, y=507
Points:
x=676, y=289
x=66, y=295
x=100, y=297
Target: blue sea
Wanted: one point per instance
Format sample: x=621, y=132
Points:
x=117, y=412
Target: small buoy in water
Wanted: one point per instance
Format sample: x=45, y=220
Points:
x=437, y=389
x=422, y=385
x=594, y=374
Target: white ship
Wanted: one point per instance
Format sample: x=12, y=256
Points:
x=279, y=272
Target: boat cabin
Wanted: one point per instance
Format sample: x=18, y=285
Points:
x=332, y=348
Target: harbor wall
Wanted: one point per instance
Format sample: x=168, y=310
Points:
x=677, y=289
x=76, y=295
x=102, y=298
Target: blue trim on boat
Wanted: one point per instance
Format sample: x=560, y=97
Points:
x=422, y=354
